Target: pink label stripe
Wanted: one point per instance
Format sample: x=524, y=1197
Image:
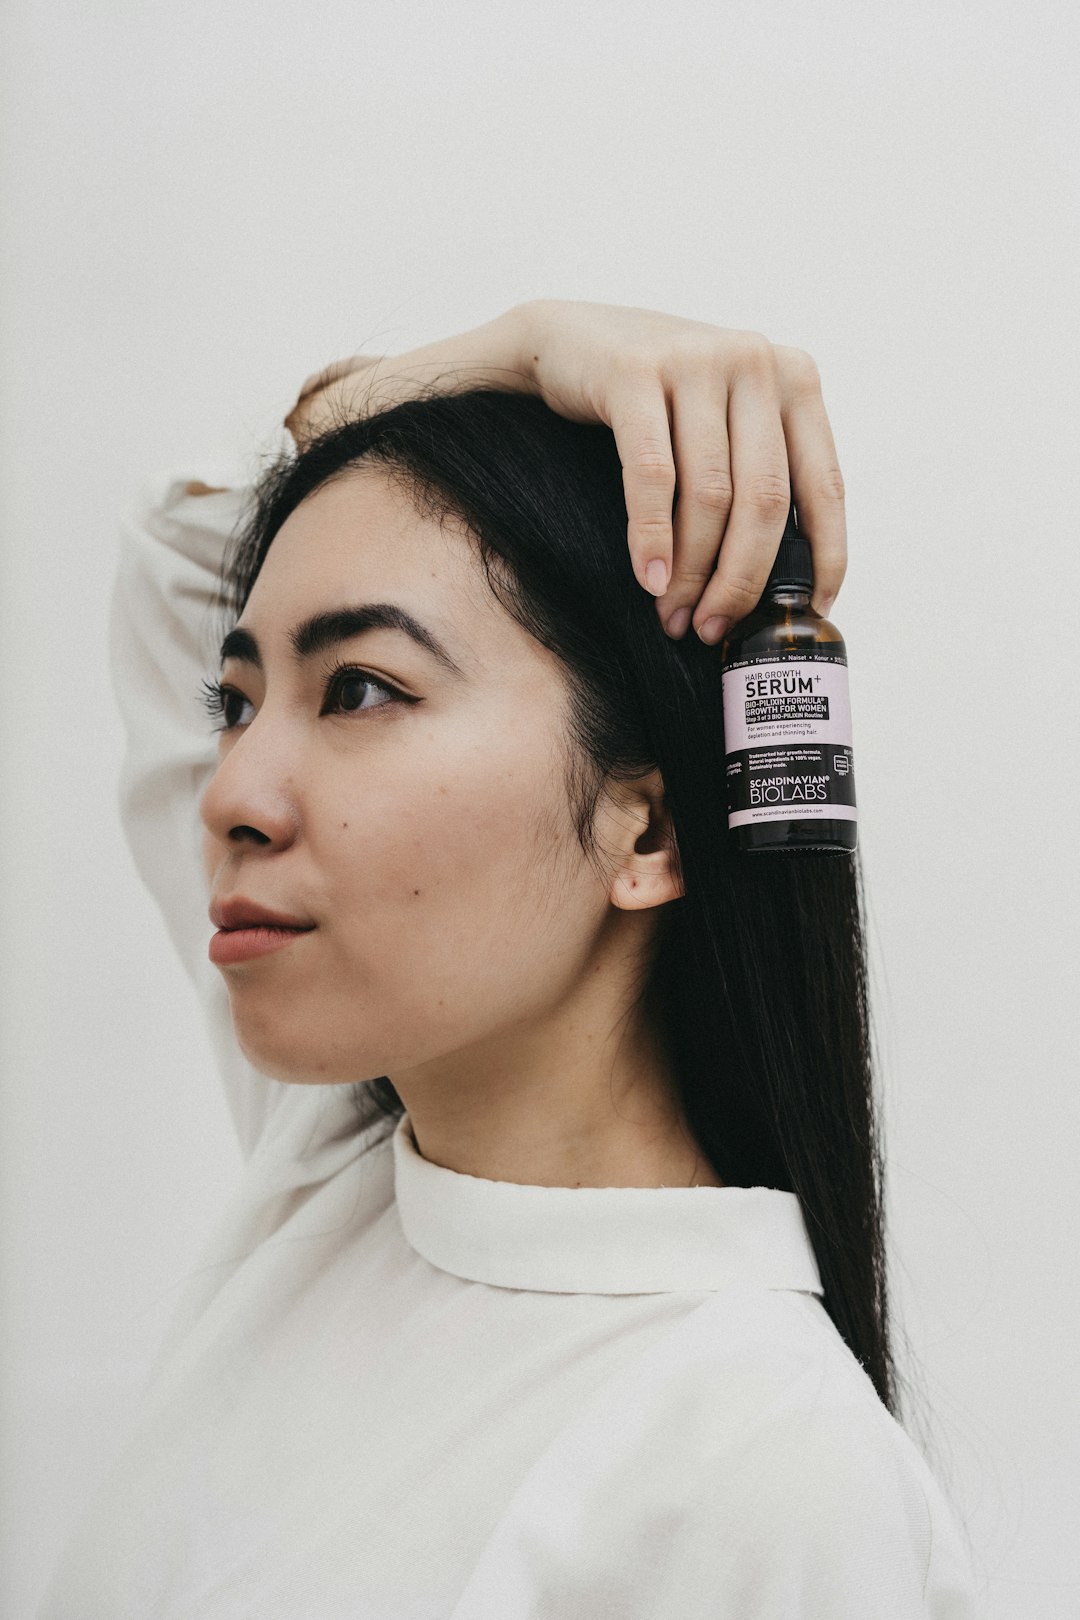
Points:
x=794, y=812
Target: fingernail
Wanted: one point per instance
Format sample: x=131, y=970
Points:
x=678, y=622
x=656, y=576
x=826, y=605
x=713, y=629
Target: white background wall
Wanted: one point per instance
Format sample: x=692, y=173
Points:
x=205, y=202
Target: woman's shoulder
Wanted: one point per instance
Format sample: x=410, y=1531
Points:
x=799, y=1409
x=742, y=1464
x=796, y=1448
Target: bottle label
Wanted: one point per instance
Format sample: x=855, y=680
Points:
x=787, y=736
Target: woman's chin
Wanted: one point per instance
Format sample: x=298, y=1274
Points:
x=297, y=1060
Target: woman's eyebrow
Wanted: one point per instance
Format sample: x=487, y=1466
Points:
x=323, y=630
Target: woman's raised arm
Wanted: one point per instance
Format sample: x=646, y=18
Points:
x=161, y=644
x=733, y=424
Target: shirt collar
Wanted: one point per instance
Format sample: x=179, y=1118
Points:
x=600, y=1240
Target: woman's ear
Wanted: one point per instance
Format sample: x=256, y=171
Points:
x=642, y=846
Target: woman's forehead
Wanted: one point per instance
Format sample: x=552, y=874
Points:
x=363, y=533
x=367, y=512
x=359, y=544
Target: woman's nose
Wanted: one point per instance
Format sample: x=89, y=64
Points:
x=251, y=795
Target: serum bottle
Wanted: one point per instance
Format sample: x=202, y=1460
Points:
x=787, y=718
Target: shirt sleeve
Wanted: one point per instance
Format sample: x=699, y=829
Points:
x=164, y=630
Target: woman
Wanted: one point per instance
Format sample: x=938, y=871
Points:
x=554, y=1282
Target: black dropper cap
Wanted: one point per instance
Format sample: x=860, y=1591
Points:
x=794, y=563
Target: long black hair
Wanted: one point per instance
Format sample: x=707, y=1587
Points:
x=758, y=985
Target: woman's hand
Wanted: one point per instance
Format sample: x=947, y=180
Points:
x=734, y=424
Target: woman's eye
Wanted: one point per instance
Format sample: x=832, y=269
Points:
x=345, y=694
x=219, y=701
x=348, y=682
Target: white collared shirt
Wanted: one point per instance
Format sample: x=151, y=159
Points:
x=396, y=1392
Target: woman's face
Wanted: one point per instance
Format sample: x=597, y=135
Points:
x=423, y=827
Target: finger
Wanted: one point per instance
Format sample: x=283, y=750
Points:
x=762, y=497
x=816, y=479
x=330, y=374
x=639, y=422
x=704, y=484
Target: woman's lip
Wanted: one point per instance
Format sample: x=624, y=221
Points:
x=239, y=944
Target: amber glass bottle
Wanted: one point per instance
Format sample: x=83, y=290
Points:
x=787, y=718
